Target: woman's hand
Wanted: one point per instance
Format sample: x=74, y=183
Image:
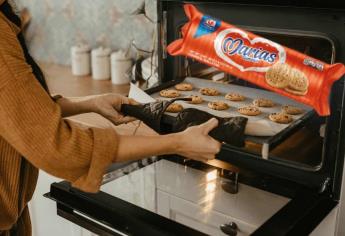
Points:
x=195, y=143
x=109, y=106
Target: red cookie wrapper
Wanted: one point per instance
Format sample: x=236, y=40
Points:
x=257, y=60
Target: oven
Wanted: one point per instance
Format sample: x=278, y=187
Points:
x=289, y=177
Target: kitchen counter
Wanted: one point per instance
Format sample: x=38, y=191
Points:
x=61, y=81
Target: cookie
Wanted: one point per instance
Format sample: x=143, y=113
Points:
x=291, y=110
x=235, y=97
x=298, y=80
x=263, y=102
x=184, y=87
x=296, y=92
x=249, y=110
x=278, y=76
x=280, y=118
x=169, y=93
x=196, y=99
x=209, y=91
x=218, y=105
x=174, y=108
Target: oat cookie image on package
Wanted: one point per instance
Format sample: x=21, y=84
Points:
x=278, y=75
x=298, y=80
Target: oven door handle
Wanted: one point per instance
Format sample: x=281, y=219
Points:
x=86, y=222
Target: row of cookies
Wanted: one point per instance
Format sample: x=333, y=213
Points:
x=234, y=97
x=283, y=117
x=171, y=93
x=250, y=110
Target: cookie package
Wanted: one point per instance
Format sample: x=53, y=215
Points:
x=257, y=60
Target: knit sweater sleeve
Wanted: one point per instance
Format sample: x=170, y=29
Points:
x=31, y=122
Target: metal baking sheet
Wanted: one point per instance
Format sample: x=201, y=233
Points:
x=257, y=125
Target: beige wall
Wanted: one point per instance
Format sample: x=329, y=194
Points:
x=58, y=24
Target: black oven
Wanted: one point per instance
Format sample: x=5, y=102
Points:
x=302, y=162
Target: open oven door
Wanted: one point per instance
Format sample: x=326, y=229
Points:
x=169, y=198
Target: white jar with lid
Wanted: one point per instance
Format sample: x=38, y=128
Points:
x=101, y=63
x=120, y=66
x=80, y=60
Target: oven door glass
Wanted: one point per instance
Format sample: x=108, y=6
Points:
x=195, y=198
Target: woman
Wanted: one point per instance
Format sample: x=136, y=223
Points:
x=35, y=136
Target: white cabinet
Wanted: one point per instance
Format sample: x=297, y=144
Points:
x=194, y=216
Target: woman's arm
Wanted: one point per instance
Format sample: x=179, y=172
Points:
x=71, y=106
x=193, y=143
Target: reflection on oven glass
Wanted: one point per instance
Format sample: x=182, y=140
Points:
x=211, y=176
x=194, y=198
x=210, y=189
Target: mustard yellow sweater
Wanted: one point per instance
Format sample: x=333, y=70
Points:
x=31, y=127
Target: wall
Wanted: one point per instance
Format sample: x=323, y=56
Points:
x=58, y=24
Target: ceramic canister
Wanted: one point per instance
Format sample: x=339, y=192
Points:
x=120, y=65
x=101, y=63
x=80, y=60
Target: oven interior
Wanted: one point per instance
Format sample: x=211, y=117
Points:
x=307, y=153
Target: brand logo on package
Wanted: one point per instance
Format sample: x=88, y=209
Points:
x=258, y=54
x=207, y=25
x=210, y=23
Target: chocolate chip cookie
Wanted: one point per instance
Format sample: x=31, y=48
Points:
x=218, y=105
x=196, y=99
x=263, y=102
x=174, y=108
x=184, y=87
x=169, y=93
x=292, y=110
x=249, y=110
x=235, y=97
x=209, y=91
x=281, y=118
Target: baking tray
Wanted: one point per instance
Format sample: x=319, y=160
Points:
x=259, y=129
